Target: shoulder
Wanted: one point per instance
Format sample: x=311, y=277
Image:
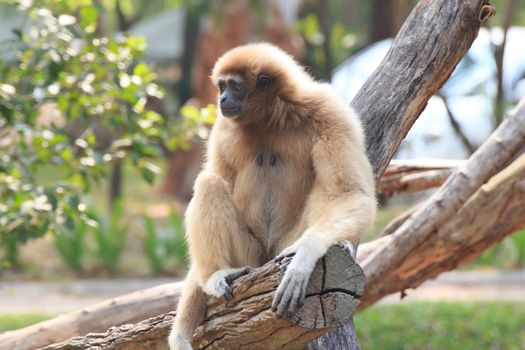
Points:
x=333, y=117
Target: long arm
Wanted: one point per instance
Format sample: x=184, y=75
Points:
x=341, y=206
x=343, y=202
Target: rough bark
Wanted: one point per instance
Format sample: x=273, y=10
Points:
x=494, y=211
x=434, y=38
x=332, y=295
x=490, y=158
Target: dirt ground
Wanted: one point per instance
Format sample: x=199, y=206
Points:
x=59, y=297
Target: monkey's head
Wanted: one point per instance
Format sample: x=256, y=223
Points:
x=255, y=81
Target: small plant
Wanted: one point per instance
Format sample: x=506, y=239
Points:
x=177, y=246
x=11, y=247
x=155, y=251
x=164, y=244
x=110, y=237
x=70, y=244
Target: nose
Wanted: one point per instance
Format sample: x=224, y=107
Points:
x=223, y=99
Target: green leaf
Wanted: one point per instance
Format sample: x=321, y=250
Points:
x=89, y=17
x=142, y=70
x=150, y=172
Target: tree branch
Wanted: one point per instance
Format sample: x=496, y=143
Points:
x=494, y=211
x=434, y=38
x=129, y=308
x=492, y=156
x=412, y=182
x=499, y=53
x=456, y=126
x=332, y=295
x=404, y=166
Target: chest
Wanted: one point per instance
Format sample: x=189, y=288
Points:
x=273, y=177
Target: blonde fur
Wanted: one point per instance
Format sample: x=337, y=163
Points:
x=290, y=174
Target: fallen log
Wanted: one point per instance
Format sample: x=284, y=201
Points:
x=332, y=295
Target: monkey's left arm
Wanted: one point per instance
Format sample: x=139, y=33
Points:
x=340, y=207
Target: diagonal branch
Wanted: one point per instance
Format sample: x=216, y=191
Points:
x=491, y=157
x=494, y=211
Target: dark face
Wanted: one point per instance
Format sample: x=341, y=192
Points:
x=233, y=91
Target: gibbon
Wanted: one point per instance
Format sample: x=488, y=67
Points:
x=286, y=173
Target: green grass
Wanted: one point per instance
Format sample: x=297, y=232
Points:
x=442, y=326
x=15, y=321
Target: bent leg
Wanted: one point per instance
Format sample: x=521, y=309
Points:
x=217, y=237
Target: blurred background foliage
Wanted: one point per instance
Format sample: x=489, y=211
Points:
x=91, y=112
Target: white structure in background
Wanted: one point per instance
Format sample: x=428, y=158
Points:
x=470, y=92
x=164, y=35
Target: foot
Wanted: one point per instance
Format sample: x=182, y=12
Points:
x=219, y=284
x=177, y=342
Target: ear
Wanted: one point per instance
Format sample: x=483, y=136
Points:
x=263, y=80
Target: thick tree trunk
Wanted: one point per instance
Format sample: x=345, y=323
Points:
x=433, y=40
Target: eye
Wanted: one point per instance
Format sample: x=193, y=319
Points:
x=222, y=86
x=235, y=85
x=263, y=81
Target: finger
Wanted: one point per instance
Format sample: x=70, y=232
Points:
x=285, y=300
x=233, y=276
x=281, y=257
x=228, y=293
x=294, y=300
x=302, y=297
x=279, y=292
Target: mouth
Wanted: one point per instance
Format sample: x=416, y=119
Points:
x=230, y=112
